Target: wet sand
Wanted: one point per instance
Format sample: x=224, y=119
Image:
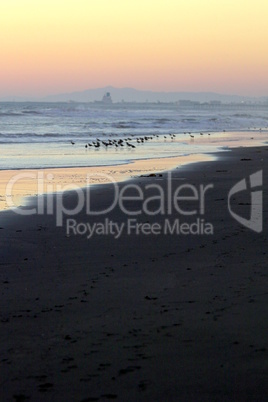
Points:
x=24, y=183
x=142, y=317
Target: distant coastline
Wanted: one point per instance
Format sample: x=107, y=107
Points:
x=179, y=105
x=121, y=95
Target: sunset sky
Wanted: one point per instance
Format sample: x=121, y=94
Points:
x=52, y=46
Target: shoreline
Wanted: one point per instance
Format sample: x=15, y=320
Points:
x=127, y=162
x=142, y=317
x=32, y=182
x=165, y=146
x=58, y=179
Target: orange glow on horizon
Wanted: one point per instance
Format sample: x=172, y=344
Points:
x=187, y=45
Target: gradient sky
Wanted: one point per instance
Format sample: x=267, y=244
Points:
x=52, y=46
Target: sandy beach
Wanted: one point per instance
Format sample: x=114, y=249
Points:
x=24, y=183
x=141, y=317
x=133, y=201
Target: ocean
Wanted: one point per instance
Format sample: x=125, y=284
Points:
x=42, y=135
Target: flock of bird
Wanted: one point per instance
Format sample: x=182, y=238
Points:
x=128, y=142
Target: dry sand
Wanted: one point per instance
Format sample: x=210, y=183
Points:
x=141, y=318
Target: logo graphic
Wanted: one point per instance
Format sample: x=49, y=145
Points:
x=255, y=221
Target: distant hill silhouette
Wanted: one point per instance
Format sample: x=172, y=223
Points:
x=135, y=95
